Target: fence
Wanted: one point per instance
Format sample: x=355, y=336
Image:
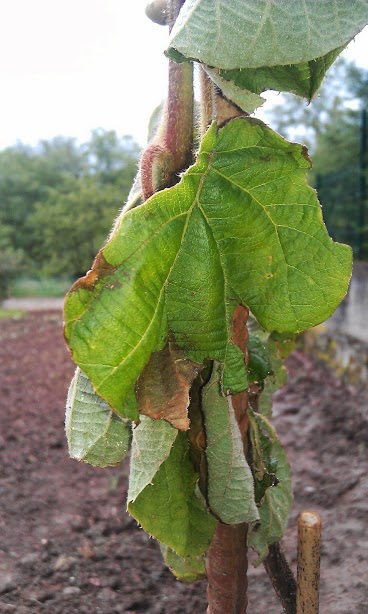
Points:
x=343, y=196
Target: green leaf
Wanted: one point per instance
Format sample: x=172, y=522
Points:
x=95, y=433
x=190, y=569
x=259, y=365
x=301, y=79
x=151, y=446
x=272, y=477
x=243, y=34
x=278, y=348
x=245, y=98
x=168, y=507
x=248, y=228
x=230, y=481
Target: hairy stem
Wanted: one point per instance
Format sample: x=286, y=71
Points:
x=171, y=149
x=207, y=100
x=227, y=570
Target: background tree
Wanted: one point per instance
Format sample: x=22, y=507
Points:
x=58, y=195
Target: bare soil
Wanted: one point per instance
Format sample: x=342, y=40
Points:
x=66, y=543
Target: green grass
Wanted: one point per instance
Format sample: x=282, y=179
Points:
x=11, y=314
x=49, y=287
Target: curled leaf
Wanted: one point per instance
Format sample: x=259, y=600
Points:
x=188, y=569
x=230, y=482
x=95, y=433
x=271, y=472
x=168, y=507
x=163, y=387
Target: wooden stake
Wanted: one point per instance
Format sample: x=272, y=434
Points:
x=309, y=547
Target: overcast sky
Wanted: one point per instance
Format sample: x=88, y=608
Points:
x=68, y=66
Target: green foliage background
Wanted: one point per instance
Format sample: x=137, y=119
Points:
x=58, y=202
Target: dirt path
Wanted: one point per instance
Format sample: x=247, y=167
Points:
x=68, y=547
x=33, y=304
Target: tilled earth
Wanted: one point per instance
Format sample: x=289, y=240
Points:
x=66, y=543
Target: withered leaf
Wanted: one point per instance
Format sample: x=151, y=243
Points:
x=163, y=387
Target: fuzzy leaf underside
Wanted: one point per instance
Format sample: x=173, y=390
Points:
x=246, y=99
x=167, y=507
x=151, y=446
x=95, y=433
x=243, y=34
x=242, y=226
x=275, y=505
x=300, y=79
x=230, y=481
x=190, y=569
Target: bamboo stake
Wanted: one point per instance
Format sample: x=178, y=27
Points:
x=309, y=547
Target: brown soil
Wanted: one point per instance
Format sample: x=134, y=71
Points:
x=66, y=544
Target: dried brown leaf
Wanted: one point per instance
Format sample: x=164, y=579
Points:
x=163, y=388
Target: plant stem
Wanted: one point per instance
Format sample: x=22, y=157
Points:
x=171, y=150
x=207, y=100
x=227, y=561
x=309, y=548
x=281, y=577
x=227, y=570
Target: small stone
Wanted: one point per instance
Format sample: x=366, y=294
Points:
x=64, y=563
x=29, y=559
x=7, y=583
x=71, y=590
x=106, y=594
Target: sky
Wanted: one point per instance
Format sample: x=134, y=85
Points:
x=69, y=66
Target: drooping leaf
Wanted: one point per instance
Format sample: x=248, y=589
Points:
x=95, y=433
x=301, y=79
x=168, y=507
x=151, y=446
x=163, y=387
x=230, y=481
x=272, y=477
x=245, y=99
x=242, y=226
x=278, y=348
x=259, y=365
x=190, y=569
x=243, y=34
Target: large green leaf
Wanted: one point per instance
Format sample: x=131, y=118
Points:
x=168, y=507
x=241, y=226
x=230, y=489
x=95, y=433
x=190, y=569
x=301, y=79
x=247, y=34
x=272, y=477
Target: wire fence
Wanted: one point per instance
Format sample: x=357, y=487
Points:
x=343, y=196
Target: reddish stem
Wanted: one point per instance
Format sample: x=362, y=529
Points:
x=171, y=150
x=227, y=570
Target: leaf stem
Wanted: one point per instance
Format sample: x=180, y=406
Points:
x=207, y=99
x=281, y=577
